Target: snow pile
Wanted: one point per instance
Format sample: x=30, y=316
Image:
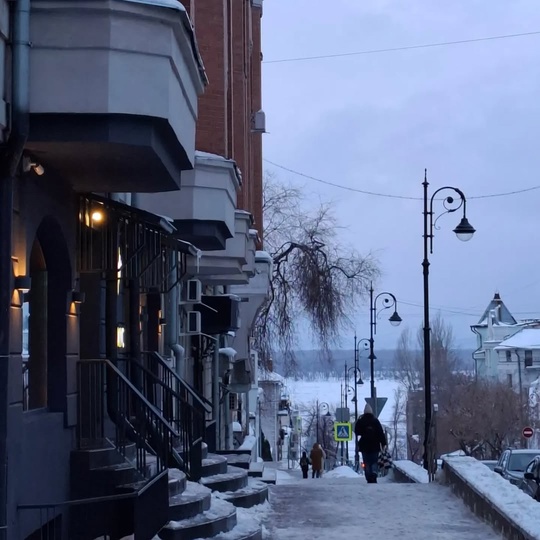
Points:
x=341, y=472
x=249, y=443
x=412, y=470
x=504, y=496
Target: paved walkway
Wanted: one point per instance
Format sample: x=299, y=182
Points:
x=343, y=508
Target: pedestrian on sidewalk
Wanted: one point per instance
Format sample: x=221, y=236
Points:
x=304, y=465
x=372, y=439
x=316, y=456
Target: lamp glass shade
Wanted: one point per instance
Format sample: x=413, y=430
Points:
x=359, y=382
x=464, y=231
x=23, y=283
x=395, y=319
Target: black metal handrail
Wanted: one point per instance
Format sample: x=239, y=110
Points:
x=158, y=365
x=166, y=391
x=49, y=511
x=104, y=388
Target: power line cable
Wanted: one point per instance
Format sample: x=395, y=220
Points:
x=403, y=48
x=390, y=195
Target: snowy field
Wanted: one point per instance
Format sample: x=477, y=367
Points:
x=304, y=396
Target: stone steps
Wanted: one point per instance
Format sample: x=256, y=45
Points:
x=219, y=518
x=256, y=492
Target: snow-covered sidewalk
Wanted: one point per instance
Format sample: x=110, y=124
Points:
x=350, y=508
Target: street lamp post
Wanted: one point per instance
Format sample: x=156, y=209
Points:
x=357, y=381
x=389, y=300
x=464, y=231
x=328, y=413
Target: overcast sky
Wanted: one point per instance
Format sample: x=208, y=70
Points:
x=469, y=113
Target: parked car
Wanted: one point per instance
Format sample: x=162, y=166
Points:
x=490, y=463
x=531, y=479
x=513, y=462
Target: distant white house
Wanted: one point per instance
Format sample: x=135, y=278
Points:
x=519, y=359
x=494, y=330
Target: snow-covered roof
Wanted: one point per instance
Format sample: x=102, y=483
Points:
x=528, y=338
x=228, y=351
x=503, y=315
x=270, y=376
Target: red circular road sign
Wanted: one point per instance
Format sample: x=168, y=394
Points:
x=527, y=432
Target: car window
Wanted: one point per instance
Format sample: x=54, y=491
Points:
x=531, y=466
x=518, y=462
x=504, y=459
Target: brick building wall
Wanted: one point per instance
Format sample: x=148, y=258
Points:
x=229, y=37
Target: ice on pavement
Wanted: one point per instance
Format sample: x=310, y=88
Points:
x=351, y=508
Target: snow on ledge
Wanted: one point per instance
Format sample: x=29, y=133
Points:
x=413, y=471
x=228, y=351
x=249, y=443
x=508, y=499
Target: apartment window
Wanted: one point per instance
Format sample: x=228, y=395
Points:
x=509, y=379
x=528, y=358
x=508, y=356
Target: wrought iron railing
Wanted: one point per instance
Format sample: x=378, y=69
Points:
x=48, y=517
x=105, y=391
x=179, y=404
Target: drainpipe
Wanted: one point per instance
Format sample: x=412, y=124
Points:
x=17, y=140
x=172, y=329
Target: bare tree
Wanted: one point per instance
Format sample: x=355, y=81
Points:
x=313, y=277
x=480, y=417
x=397, y=424
x=320, y=428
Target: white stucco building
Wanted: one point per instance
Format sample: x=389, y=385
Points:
x=508, y=350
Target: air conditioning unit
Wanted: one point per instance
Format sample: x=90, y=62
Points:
x=257, y=3
x=193, y=291
x=258, y=122
x=193, y=322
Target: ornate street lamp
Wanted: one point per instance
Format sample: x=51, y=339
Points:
x=389, y=301
x=464, y=231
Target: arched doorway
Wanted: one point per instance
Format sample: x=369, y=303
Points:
x=50, y=270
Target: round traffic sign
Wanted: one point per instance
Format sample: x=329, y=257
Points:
x=527, y=432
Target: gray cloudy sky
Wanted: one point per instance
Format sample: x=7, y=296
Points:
x=469, y=113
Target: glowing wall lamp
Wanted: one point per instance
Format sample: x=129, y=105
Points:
x=97, y=216
x=120, y=337
x=23, y=283
x=78, y=297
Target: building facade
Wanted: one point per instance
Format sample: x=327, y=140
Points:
x=494, y=360
x=125, y=224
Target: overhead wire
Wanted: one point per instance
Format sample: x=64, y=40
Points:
x=391, y=195
x=403, y=48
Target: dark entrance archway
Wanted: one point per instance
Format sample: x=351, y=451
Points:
x=50, y=270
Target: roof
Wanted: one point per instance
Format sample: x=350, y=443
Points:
x=503, y=313
x=528, y=338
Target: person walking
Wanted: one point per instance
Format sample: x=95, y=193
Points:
x=372, y=439
x=304, y=465
x=316, y=456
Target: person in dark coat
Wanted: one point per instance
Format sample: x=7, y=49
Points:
x=372, y=439
x=304, y=465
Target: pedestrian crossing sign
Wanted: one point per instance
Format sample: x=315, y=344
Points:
x=342, y=431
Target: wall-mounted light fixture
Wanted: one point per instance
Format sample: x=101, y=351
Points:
x=29, y=165
x=97, y=216
x=78, y=297
x=23, y=283
x=120, y=337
